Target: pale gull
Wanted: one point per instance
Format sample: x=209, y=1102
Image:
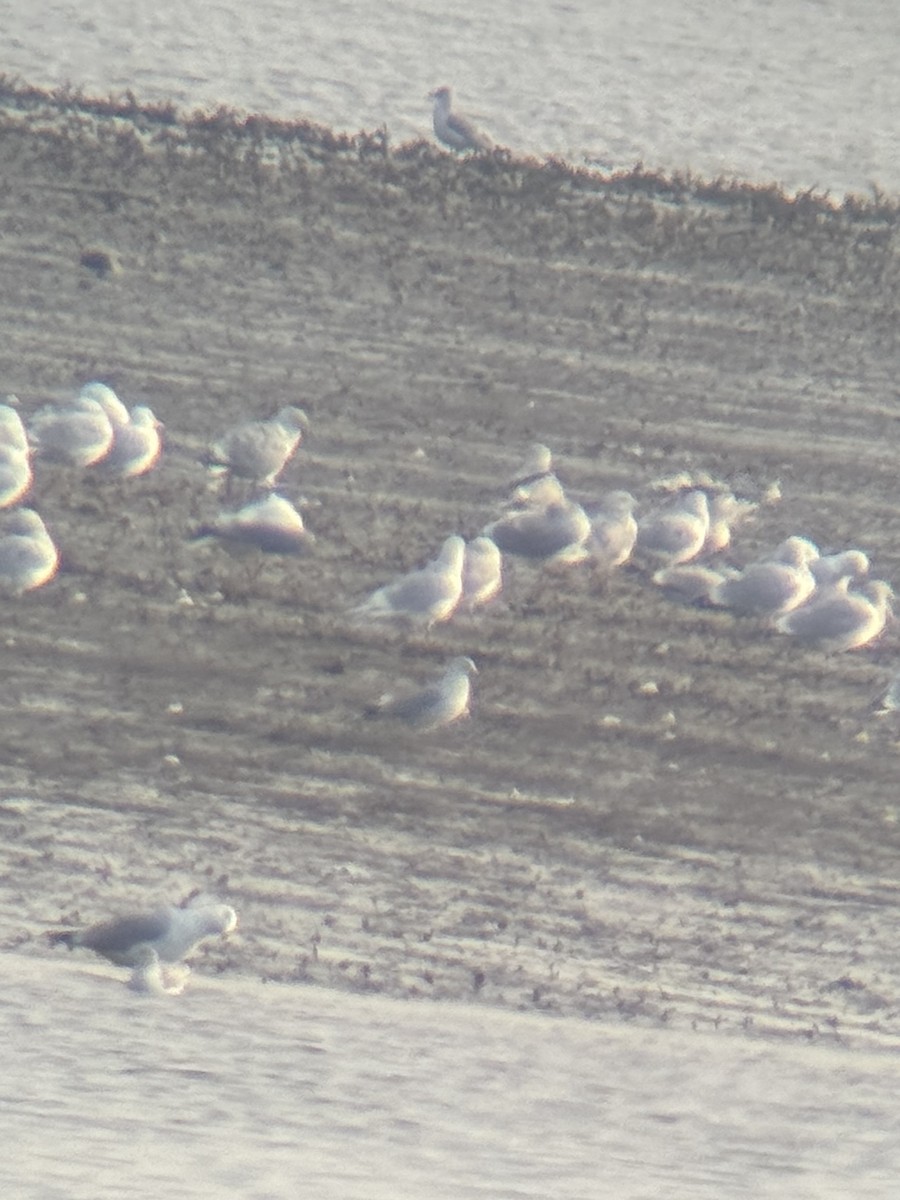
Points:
x=28, y=556
x=547, y=526
x=271, y=524
x=444, y=701
x=12, y=431
x=137, y=445
x=260, y=450
x=454, y=130
x=675, y=533
x=77, y=435
x=168, y=932
x=482, y=573
x=424, y=596
x=837, y=619
x=613, y=530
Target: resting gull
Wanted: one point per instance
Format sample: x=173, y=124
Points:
x=613, y=530
x=15, y=457
x=137, y=445
x=169, y=933
x=675, y=533
x=28, y=556
x=425, y=596
x=444, y=701
x=545, y=526
x=271, y=524
x=12, y=431
x=837, y=619
x=482, y=573
x=260, y=450
x=453, y=130
x=77, y=435
x=766, y=589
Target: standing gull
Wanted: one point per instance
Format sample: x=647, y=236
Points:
x=444, y=701
x=169, y=933
x=453, y=130
x=424, y=596
x=260, y=450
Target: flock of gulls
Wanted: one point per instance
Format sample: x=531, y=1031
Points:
x=682, y=545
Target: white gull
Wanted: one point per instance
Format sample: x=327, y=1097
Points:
x=28, y=555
